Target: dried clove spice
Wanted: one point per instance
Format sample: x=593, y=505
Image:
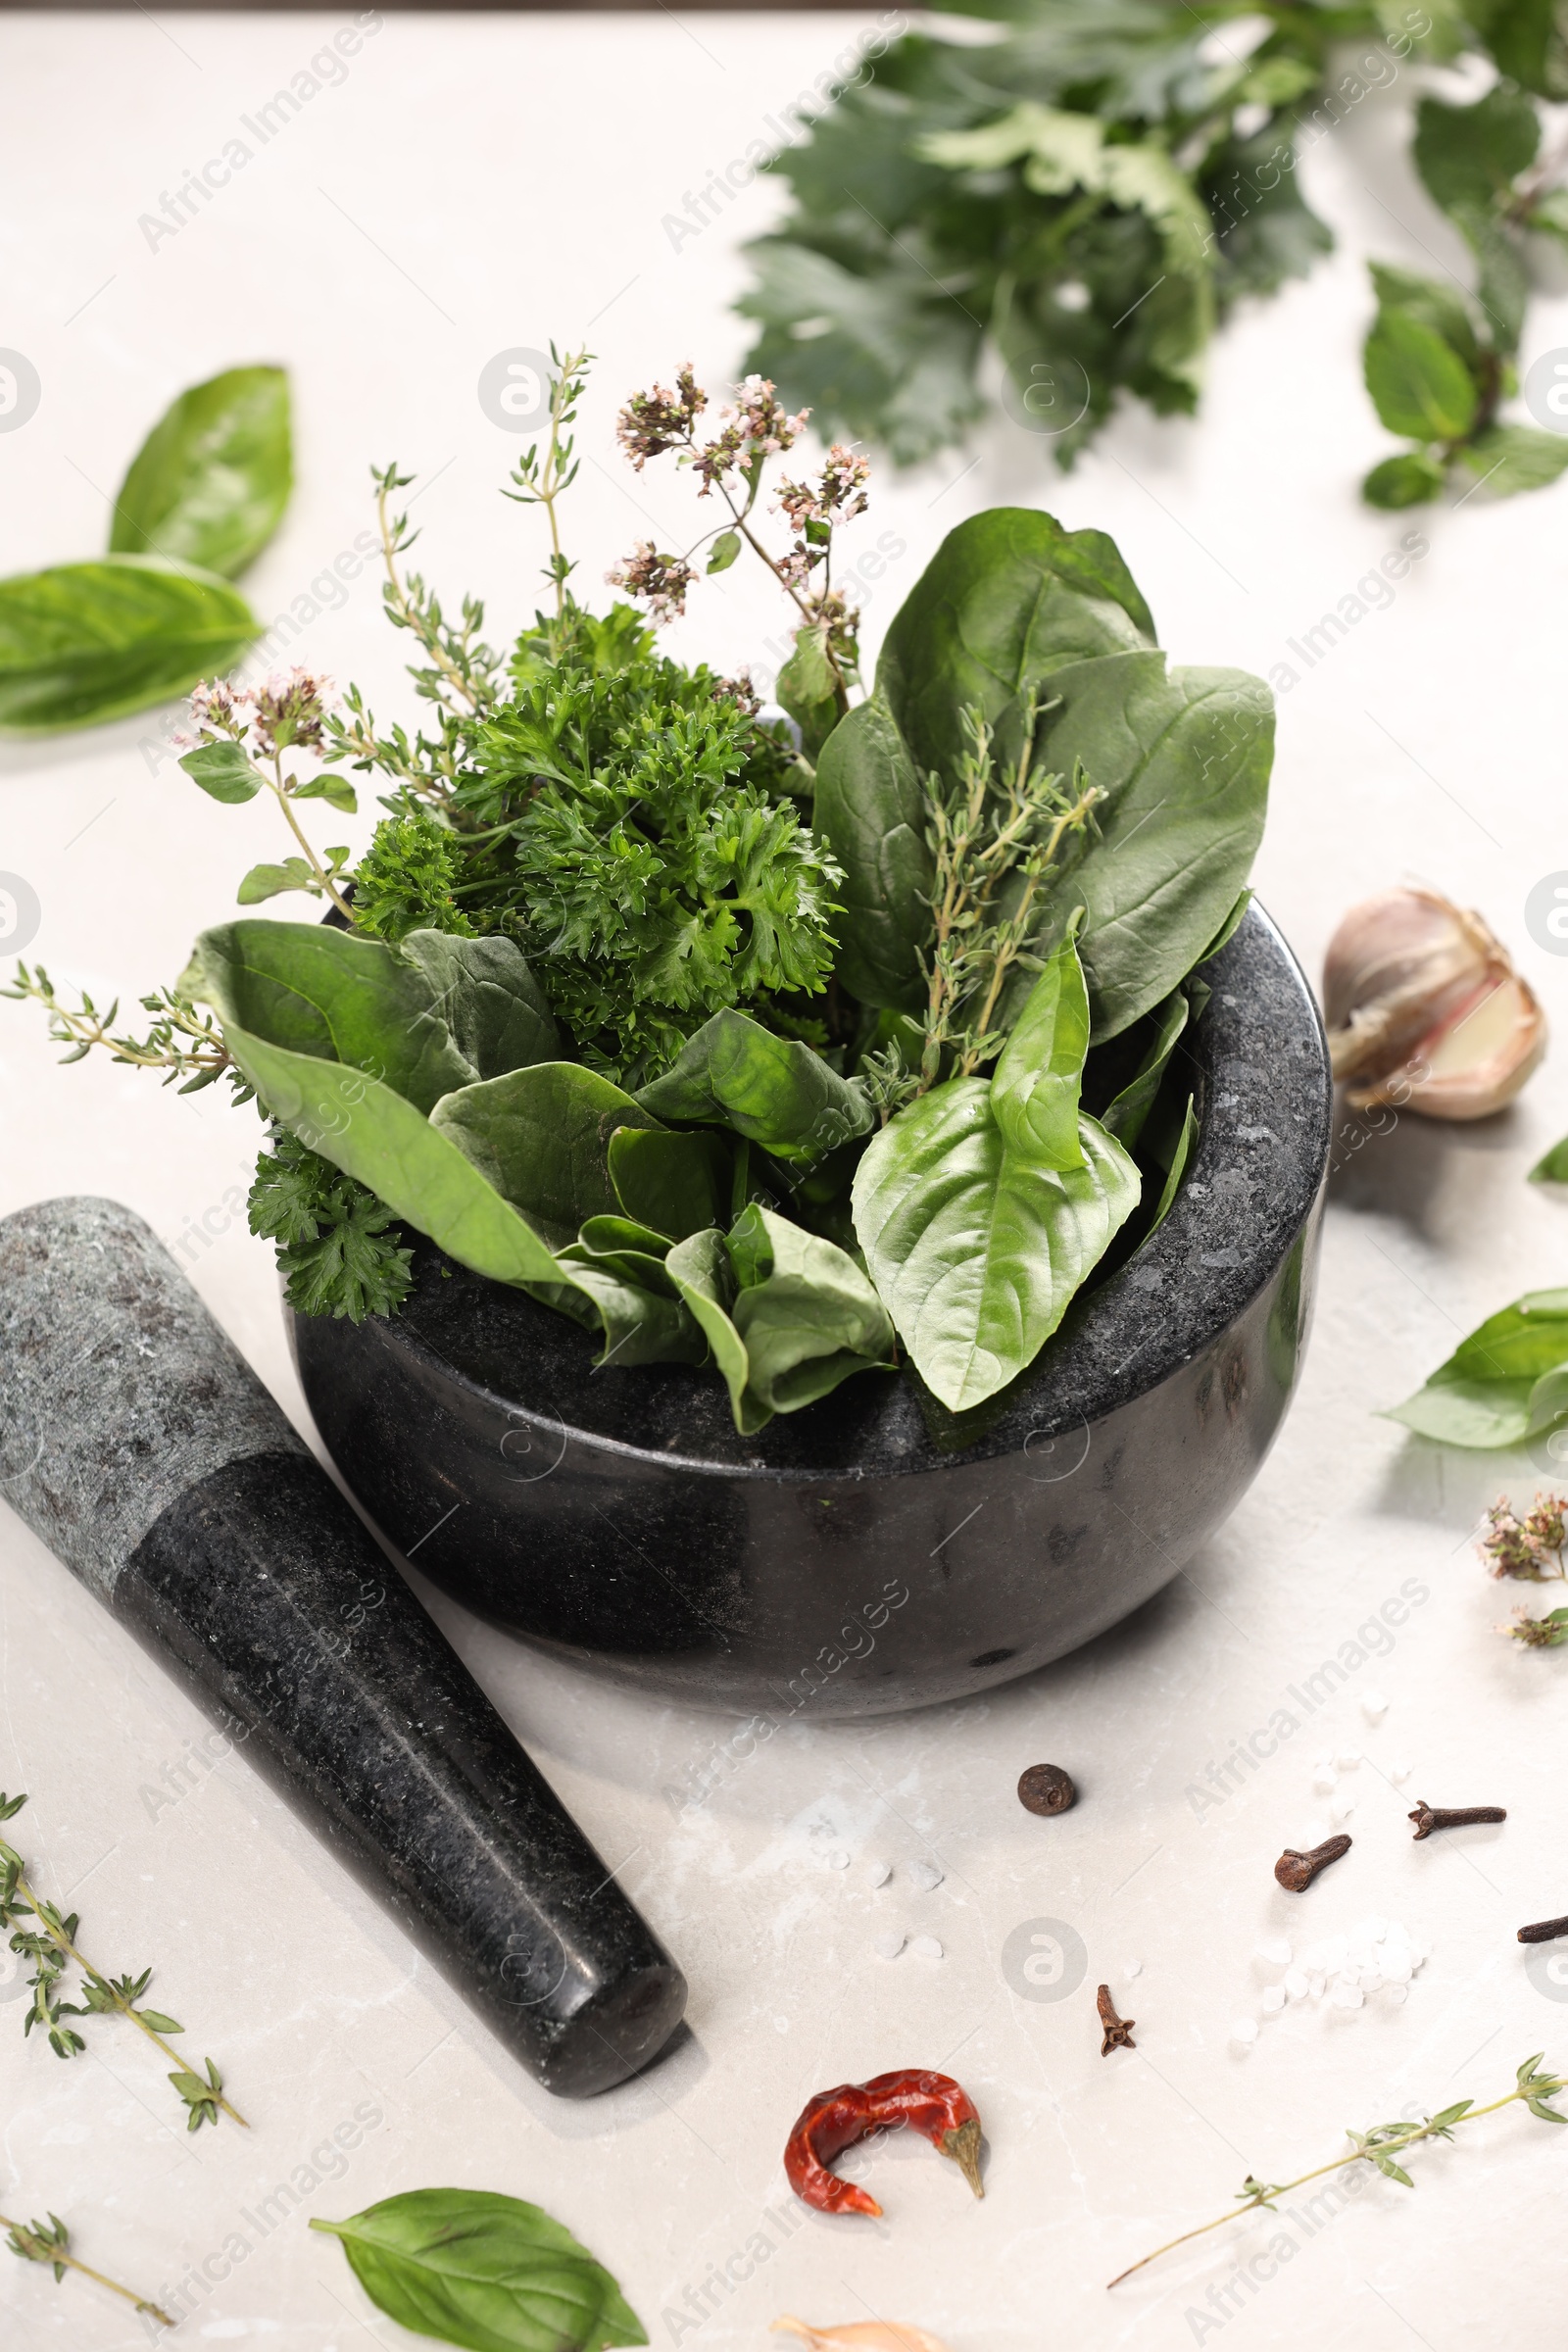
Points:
x=1296, y=1871
x=1428, y=1818
x=1545, y=1931
x=1118, y=2033
x=1045, y=1789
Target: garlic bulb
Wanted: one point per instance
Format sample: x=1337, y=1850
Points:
x=1425, y=1009
x=862, y=2336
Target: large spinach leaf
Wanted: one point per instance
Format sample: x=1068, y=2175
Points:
x=1508, y=1379
x=85, y=642
x=1124, y=1117
x=378, y=1137
x=975, y=1247
x=319, y=991
x=773, y=1090
x=541, y=1136
x=870, y=811
x=210, y=483
x=1006, y=601
x=788, y=1315
x=488, y=997
x=1183, y=758
x=677, y=1184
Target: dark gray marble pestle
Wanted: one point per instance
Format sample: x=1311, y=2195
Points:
x=139, y=1445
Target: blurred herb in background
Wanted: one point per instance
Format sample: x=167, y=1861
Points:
x=1080, y=191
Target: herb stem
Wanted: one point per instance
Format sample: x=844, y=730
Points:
x=33, y=2248
x=409, y=615
x=49, y=1919
x=281, y=794
x=1265, y=2195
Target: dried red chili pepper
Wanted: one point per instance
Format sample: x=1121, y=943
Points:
x=934, y=2105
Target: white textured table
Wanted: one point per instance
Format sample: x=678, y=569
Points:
x=476, y=183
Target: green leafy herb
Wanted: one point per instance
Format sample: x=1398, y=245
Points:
x=1382, y=2146
x=338, y=1249
x=87, y=641
x=1503, y=1383
x=52, y=1948
x=975, y=1233
x=488, y=2272
x=541, y=1136
x=48, y=2241
x=210, y=483
x=1083, y=195
x=773, y=1090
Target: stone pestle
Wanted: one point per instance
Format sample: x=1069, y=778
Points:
x=139, y=1444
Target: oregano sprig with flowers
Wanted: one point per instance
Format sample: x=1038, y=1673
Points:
x=1532, y=1548
x=761, y=1041
x=52, y=1948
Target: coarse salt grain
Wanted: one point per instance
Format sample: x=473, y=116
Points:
x=1345, y=1997
x=1374, y=1705
x=1273, y=1999
x=1272, y=1956
x=878, y=1873
x=1133, y=1968
x=1400, y=1771
x=1348, y=1759
x=925, y=1947
x=1294, y=1984
x=889, y=1944
x=1341, y=1808
x=1244, y=2033
x=839, y=1861
x=1325, y=1778
x=925, y=1874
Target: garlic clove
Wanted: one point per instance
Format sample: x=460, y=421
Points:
x=1425, y=1010
x=1475, y=1066
x=862, y=2336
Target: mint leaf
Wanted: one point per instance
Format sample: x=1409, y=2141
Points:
x=1419, y=384
x=1411, y=479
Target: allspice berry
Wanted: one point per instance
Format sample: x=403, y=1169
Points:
x=1047, y=1789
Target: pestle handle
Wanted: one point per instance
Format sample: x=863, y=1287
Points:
x=139, y=1444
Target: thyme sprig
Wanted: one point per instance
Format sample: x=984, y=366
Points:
x=542, y=480
x=51, y=1946
x=994, y=840
x=1381, y=2146
x=184, y=1042
x=46, y=2241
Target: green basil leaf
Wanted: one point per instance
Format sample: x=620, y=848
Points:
x=1223, y=936
x=808, y=691
x=223, y=770
x=379, y=1136
x=676, y=1184
x=733, y=1072
x=1008, y=598
x=870, y=811
x=1502, y=1383
x=1510, y=458
x=1412, y=479
x=271, y=881
x=1472, y=155
x=975, y=1248
x=488, y=997
x=541, y=1136
x=723, y=551
x=316, y=990
x=1184, y=760
x=1124, y=1117
x=210, y=483
x=1553, y=1166
x=1419, y=384
x=1037, y=1083
x=87, y=641
x=487, y=2272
